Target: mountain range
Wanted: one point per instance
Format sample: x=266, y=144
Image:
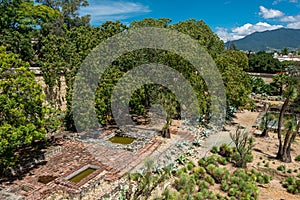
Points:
x=269, y=40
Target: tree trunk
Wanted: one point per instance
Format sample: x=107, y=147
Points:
x=286, y=157
x=265, y=133
x=167, y=133
x=281, y=115
x=288, y=150
x=147, y=97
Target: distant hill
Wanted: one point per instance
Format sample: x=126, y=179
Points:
x=269, y=40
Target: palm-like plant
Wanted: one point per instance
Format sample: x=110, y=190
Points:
x=290, y=95
x=265, y=123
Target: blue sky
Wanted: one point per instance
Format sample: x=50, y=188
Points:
x=230, y=19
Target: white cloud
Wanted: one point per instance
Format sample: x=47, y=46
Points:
x=225, y=35
x=113, y=10
x=270, y=13
x=278, y=1
x=242, y=31
x=290, y=18
x=295, y=25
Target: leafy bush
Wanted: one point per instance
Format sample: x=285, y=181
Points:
x=190, y=165
x=297, y=158
x=292, y=185
x=222, y=160
x=225, y=150
x=209, y=179
x=281, y=168
x=267, y=164
x=214, y=149
x=244, y=145
x=199, y=170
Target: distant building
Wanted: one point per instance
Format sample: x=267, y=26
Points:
x=289, y=57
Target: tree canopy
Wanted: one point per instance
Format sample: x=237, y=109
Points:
x=22, y=114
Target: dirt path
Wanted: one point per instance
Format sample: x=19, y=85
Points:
x=244, y=118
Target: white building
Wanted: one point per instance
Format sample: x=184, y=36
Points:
x=289, y=57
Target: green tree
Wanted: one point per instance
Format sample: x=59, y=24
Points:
x=22, y=115
x=22, y=20
x=201, y=32
x=237, y=82
x=69, y=10
x=264, y=62
x=285, y=51
x=281, y=80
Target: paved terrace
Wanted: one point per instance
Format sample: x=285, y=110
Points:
x=71, y=155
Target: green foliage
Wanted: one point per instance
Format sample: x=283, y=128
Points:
x=260, y=87
x=244, y=145
x=297, y=158
x=281, y=168
x=264, y=62
x=266, y=124
x=20, y=21
x=22, y=114
x=209, y=179
x=267, y=165
x=237, y=82
x=214, y=149
x=226, y=151
x=222, y=161
x=292, y=184
x=69, y=10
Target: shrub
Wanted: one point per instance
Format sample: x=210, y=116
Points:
x=261, y=180
x=224, y=186
x=267, y=164
x=267, y=178
x=231, y=192
x=209, y=179
x=292, y=185
x=214, y=149
x=220, y=174
x=212, y=160
x=199, y=170
x=297, y=158
x=198, y=196
x=190, y=165
x=244, y=145
x=222, y=161
x=225, y=150
x=210, y=168
x=202, y=184
x=281, y=168
x=202, y=162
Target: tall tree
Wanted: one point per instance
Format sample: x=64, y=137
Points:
x=69, y=10
x=237, y=82
x=201, y=32
x=22, y=114
x=20, y=21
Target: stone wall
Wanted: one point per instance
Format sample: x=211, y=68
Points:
x=60, y=92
